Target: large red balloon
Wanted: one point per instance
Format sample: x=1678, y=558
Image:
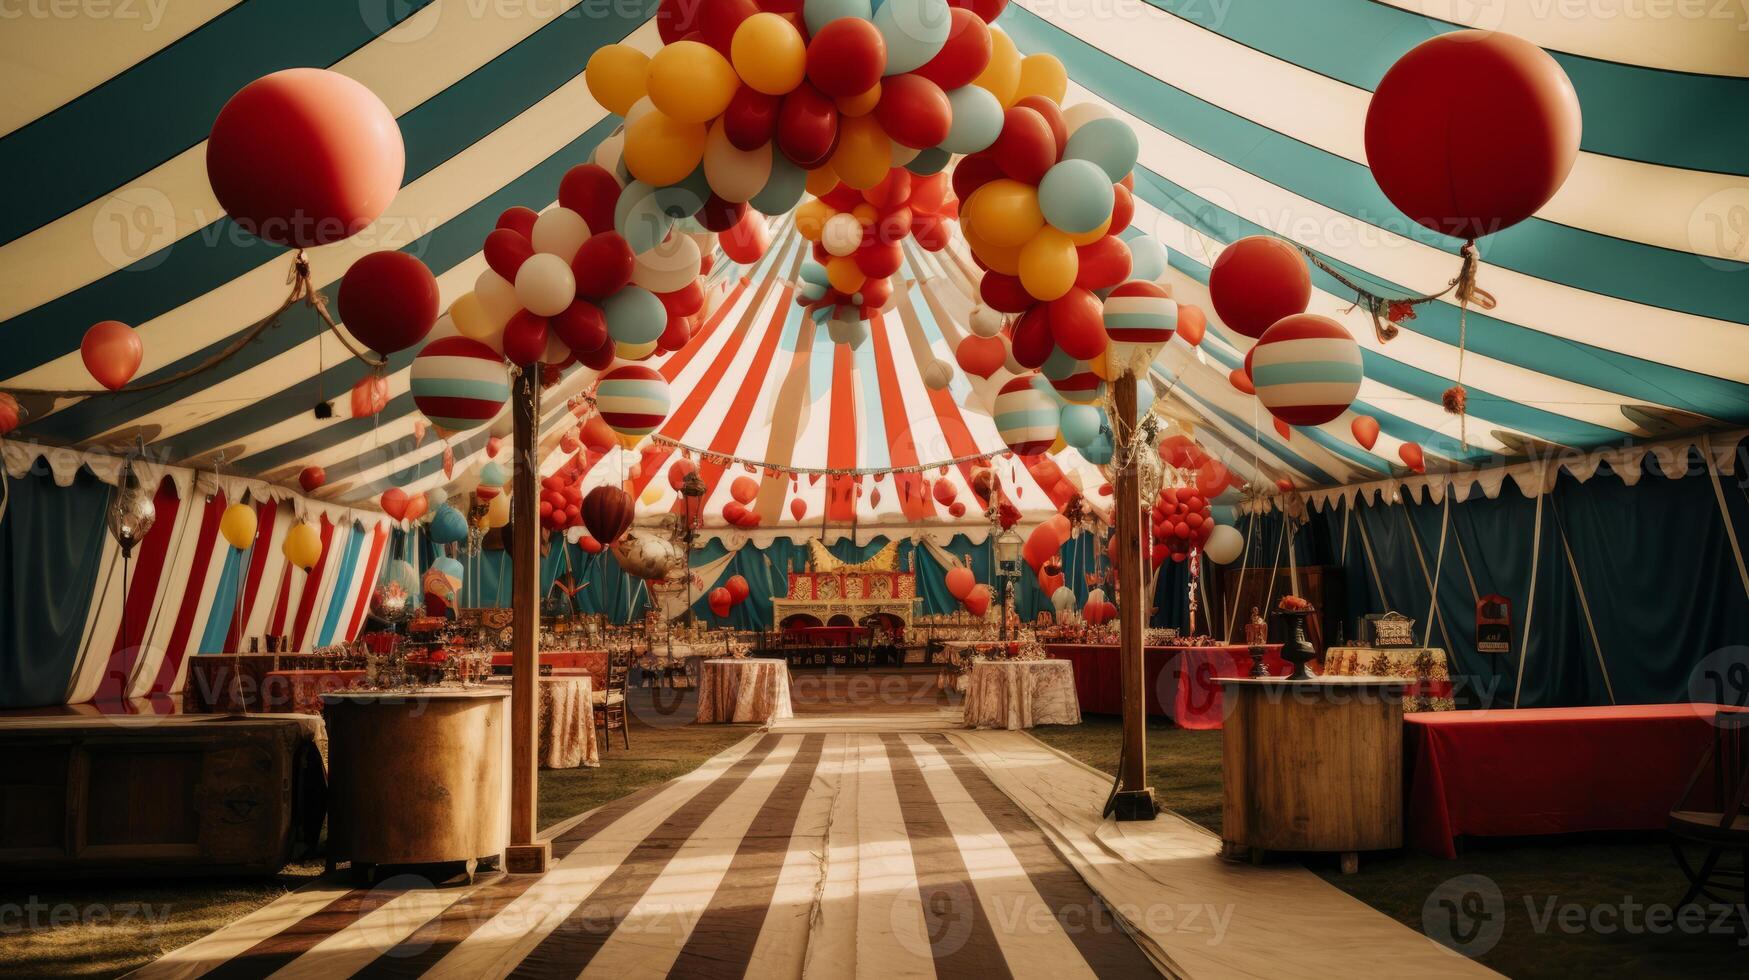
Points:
x=1026, y=147
x=1078, y=324
x=394, y=502
x=846, y=57
x=914, y=111
x=1472, y=132
x=603, y=265
x=304, y=157
x=388, y=300
x=720, y=601
x=978, y=600
x=960, y=582
x=591, y=191
x=111, y=351
x=738, y=588
x=750, y=121
x=965, y=55
x=607, y=512
x=1257, y=281
x=807, y=126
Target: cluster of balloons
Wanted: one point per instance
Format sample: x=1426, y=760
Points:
x=727, y=596
x=964, y=586
x=561, y=497
x=1097, y=609
x=745, y=107
x=1181, y=523
x=736, y=511
x=857, y=238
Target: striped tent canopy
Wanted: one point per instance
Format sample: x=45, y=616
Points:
x=1620, y=316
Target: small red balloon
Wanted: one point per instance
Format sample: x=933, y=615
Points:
x=603, y=265
x=593, y=192
x=965, y=55
x=1026, y=147
x=750, y=121
x=846, y=57
x=506, y=250
x=1078, y=324
x=111, y=351
x=1102, y=264
x=312, y=477
x=914, y=111
x=389, y=301
x=582, y=327
x=807, y=125
x=525, y=338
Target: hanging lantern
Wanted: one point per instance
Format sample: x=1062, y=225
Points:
x=132, y=512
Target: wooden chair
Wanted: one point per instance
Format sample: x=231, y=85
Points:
x=610, y=701
x=1717, y=823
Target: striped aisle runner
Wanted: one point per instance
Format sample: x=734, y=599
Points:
x=830, y=854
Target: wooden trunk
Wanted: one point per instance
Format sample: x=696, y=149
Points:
x=417, y=778
x=157, y=795
x=1313, y=765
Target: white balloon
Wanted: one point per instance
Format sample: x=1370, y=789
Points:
x=1224, y=544
x=1014, y=367
x=497, y=297
x=608, y=153
x=1063, y=598
x=545, y=284
x=669, y=266
x=985, y=321
x=1082, y=113
x=561, y=232
x=842, y=234
x=735, y=175
x=937, y=375
x=850, y=333
x=639, y=109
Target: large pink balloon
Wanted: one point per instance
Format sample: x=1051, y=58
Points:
x=304, y=157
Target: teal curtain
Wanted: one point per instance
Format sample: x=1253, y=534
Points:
x=51, y=547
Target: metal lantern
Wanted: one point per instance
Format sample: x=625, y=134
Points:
x=389, y=603
x=131, y=512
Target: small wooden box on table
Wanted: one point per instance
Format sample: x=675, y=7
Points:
x=1313, y=765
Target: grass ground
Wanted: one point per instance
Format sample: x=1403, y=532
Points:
x=106, y=928
x=1565, y=906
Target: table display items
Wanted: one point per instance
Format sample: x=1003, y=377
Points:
x=1296, y=649
x=1256, y=638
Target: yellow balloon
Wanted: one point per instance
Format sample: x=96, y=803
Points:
x=471, y=318
x=1048, y=264
x=1001, y=77
x=634, y=352
x=864, y=153
x=769, y=54
x=1058, y=445
x=1001, y=258
x=654, y=493
x=865, y=214
x=303, y=546
x=1104, y=366
x=811, y=218
x=1042, y=74
x=844, y=274
x=822, y=179
x=861, y=105
x=615, y=76
x=1004, y=212
x=1089, y=237
x=498, y=511
x=238, y=526
x=691, y=82
x=661, y=150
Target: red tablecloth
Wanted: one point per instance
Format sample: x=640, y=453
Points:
x=1506, y=772
x=1180, y=681
x=566, y=661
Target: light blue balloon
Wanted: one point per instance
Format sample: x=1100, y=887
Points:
x=492, y=475
x=815, y=273
x=401, y=573
x=783, y=190
x=450, y=567
x=634, y=316
x=1041, y=383
x=819, y=13
x=1111, y=143
x=1099, y=449
x=1058, y=365
x=640, y=218
x=977, y=120
x=914, y=31
x=448, y=525
x=812, y=291
x=1147, y=258
x=1080, y=424
x=1075, y=196
x=930, y=161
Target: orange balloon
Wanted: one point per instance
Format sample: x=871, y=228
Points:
x=1412, y=457
x=1192, y=323
x=111, y=351
x=1366, y=430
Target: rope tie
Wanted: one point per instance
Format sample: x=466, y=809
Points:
x=1456, y=398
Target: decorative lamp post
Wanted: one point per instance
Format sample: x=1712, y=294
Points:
x=692, y=491
x=1008, y=547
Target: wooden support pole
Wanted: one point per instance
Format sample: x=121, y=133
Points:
x=1134, y=799
x=525, y=855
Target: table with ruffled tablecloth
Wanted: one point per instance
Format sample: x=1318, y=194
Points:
x=1425, y=668
x=750, y=689
x=567, y=721
x=1021, y=694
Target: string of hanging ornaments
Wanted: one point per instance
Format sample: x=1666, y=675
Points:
x=722, y=459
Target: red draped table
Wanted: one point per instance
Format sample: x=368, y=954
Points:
x=1510, y=772
x=1180, y=680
